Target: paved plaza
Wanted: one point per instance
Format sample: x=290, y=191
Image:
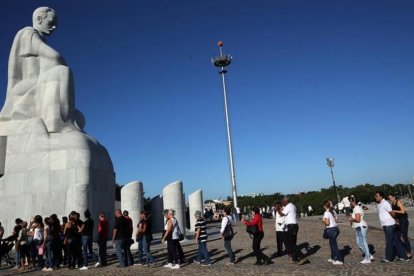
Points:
x=310, y=241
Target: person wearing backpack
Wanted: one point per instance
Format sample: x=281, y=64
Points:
x=227, y=234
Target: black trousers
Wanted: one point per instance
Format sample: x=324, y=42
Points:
x=172, y=246
x=280, y=241
x=102, y=251
x=257, y=239
x=291, y=239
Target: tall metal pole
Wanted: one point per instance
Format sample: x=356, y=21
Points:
x=222, y=62
x=331, y=164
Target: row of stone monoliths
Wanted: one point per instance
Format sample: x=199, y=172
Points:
x=172, y=197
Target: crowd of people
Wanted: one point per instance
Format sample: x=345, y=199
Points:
x=47, y=244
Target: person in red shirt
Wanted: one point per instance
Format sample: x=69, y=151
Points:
x=257, y=237
x=102, y=239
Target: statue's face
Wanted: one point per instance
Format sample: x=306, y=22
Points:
x=47, y=25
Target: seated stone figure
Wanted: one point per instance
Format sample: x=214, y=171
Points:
x=40, y=84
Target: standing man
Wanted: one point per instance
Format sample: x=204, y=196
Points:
x=120, y=240
x=201, y=240
x=387, y=221
x=102, y=239
x=87, y=238
x=130, y=230
x=292, y=227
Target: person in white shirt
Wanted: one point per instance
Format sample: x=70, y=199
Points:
x=227, y=221
x=292, y=227
x=280, y=231
x=332, y=231
x=361, y=229
x=387, y=221
x=347, y=205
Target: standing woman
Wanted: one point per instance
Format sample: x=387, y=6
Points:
x=257, y=237
x=171, y=235
x=37, y=241
x=361, y=229
x=227, y=222
x=402, y=219
x=332, y=230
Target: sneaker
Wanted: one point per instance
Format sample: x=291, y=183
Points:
x=366, y=261
x=176, y=266
x=169, y=265
x=385, y=261
x=83, y=268
x=330, y=260
x=197, y=263
x=49, y=269
x=44, y=269
x=404, y=260
x=371, y=257
x=229, y=263
x=206, y=265
x=98, y=264
x=337, y=262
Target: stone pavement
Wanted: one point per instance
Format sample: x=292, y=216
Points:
x=310, y=240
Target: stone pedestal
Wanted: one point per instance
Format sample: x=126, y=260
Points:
x=132, y=200
x=173, y=198
x=195, y=203
x=52, y=173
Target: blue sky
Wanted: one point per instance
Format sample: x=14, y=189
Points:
x=309, y=80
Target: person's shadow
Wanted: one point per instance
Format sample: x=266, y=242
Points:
x=310, y=250
x=345, y=251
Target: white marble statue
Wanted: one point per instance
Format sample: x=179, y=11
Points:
x=47, y=163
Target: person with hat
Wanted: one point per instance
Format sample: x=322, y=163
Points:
x=201, y=240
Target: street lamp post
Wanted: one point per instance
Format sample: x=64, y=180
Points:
x=222, y=61
x=331, y=164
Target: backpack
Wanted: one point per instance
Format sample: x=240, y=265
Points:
x=228, y=232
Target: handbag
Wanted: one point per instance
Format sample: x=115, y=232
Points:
x=228, y=232
x=40, y=250
x=325, y=234
x=180, y=234
x=252, y=229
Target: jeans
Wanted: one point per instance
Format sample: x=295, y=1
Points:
x=102, y=252
x=17, y=259
x=257, y=239
x=119, y=250
x=332, y=235
x=49, y=254
x=403, y=227
x=140, y=250
x=227, y=245
x=280, y=241
x=203, y=253
x=146, y=247
x=361, y=240
x=87, y=245
x=392, y=238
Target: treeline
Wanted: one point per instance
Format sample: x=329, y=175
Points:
x=365, y=193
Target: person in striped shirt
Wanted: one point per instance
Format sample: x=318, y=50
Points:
x=201, y=240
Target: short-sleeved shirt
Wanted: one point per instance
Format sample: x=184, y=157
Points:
x=201, y=224
x=290, y=214
x=383, y=212
x=358, y=210
x=332, y=221
x=280, y=222
x=121, y=226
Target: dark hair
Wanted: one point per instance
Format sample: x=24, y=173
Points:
x=18, y=221
x=64, y=219
x=125, y=213
x=353, y=199
x=87, y=213
x=256, y=210
x=227, y=211
x=381, y=194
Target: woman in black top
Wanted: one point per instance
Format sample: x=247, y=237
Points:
x=402, y=222
x=70, y=242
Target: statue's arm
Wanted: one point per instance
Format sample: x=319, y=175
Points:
x=48, y=56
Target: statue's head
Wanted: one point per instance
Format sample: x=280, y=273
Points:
x=44, y=20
